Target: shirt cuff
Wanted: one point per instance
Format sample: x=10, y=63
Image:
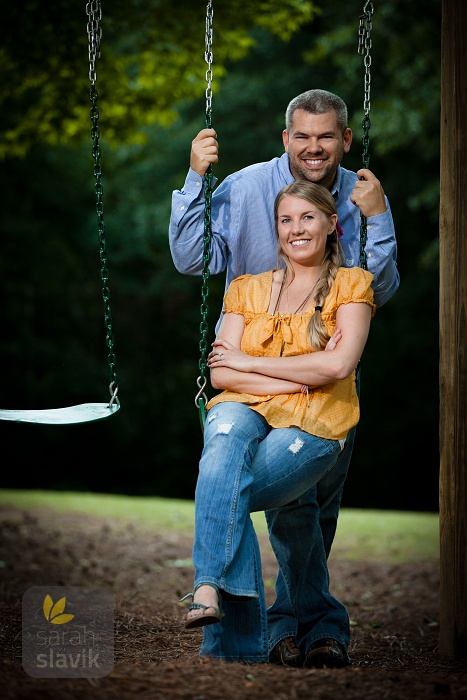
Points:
x=383, y=220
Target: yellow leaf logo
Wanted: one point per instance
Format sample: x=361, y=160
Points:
x=54, y=611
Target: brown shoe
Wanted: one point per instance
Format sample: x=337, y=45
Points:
x=326, y=652
x=286, y=653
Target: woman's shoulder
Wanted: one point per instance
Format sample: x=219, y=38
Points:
x=249, y=291
x=349, y=275
x=255, y=277
x=249, y=281
x=353, y=284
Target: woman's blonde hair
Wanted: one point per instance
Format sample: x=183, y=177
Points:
x=333, y=255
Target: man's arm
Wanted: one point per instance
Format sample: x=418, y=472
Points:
x=186, y=227
x=381, y=247
x=381, y=251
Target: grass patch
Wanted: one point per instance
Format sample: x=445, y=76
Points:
x=386, y=535
x=372, y=535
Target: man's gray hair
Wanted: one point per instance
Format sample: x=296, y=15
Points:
x=318, y=102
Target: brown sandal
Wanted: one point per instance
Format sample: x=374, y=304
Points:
x=203, y=620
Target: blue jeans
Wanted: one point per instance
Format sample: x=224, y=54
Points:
x=299, y=517
x=248, y=466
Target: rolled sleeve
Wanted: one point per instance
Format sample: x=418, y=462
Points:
x=381, y=252
x=186, y=226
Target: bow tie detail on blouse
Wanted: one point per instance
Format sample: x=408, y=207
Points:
x=277, y=327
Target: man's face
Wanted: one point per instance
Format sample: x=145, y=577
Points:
x=315, y=146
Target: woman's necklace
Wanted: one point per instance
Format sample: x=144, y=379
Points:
x=303, y=304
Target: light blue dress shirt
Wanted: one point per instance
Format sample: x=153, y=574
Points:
x=244, y=240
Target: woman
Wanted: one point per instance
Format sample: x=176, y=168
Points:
x=285, y=356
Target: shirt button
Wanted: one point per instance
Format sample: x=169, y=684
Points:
x=198, y=184
x=182, y=208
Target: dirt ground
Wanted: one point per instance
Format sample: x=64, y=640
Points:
x=393, y=608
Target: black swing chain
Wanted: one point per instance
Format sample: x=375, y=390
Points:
x=94, y=13
x=203, y=345
x=364, y=47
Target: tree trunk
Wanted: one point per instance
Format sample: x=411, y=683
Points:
x=453, y=335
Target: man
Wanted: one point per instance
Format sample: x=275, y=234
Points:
x=315, y=140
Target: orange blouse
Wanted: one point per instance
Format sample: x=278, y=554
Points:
x=329, y=411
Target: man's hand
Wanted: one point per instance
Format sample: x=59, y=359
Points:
x=367, y=194
x=204, y=151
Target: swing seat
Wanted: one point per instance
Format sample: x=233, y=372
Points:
x=85, y=412
x=82, y=413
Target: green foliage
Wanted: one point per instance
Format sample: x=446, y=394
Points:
x=53, y=347
x=149, y=62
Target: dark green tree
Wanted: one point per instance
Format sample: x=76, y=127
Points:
x=152, y=57
x=52, y=347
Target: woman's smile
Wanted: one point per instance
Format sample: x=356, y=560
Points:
x=301, y=241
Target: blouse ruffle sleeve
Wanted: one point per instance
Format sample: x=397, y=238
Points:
x=235, y=296
x=354, y=285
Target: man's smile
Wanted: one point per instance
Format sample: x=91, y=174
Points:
x=313, y=161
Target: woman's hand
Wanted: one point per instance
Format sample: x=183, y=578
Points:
x=333, y=340
x=224, y=354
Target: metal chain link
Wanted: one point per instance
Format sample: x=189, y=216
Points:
x=208, y=57
x=364, y=47
x=94, y=12
x=201, y=398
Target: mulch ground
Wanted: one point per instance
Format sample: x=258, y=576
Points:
x=393, y=608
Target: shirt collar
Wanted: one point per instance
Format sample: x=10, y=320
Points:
x=285, y=168
x=337, y=186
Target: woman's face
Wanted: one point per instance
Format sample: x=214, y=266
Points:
x=303, y=230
